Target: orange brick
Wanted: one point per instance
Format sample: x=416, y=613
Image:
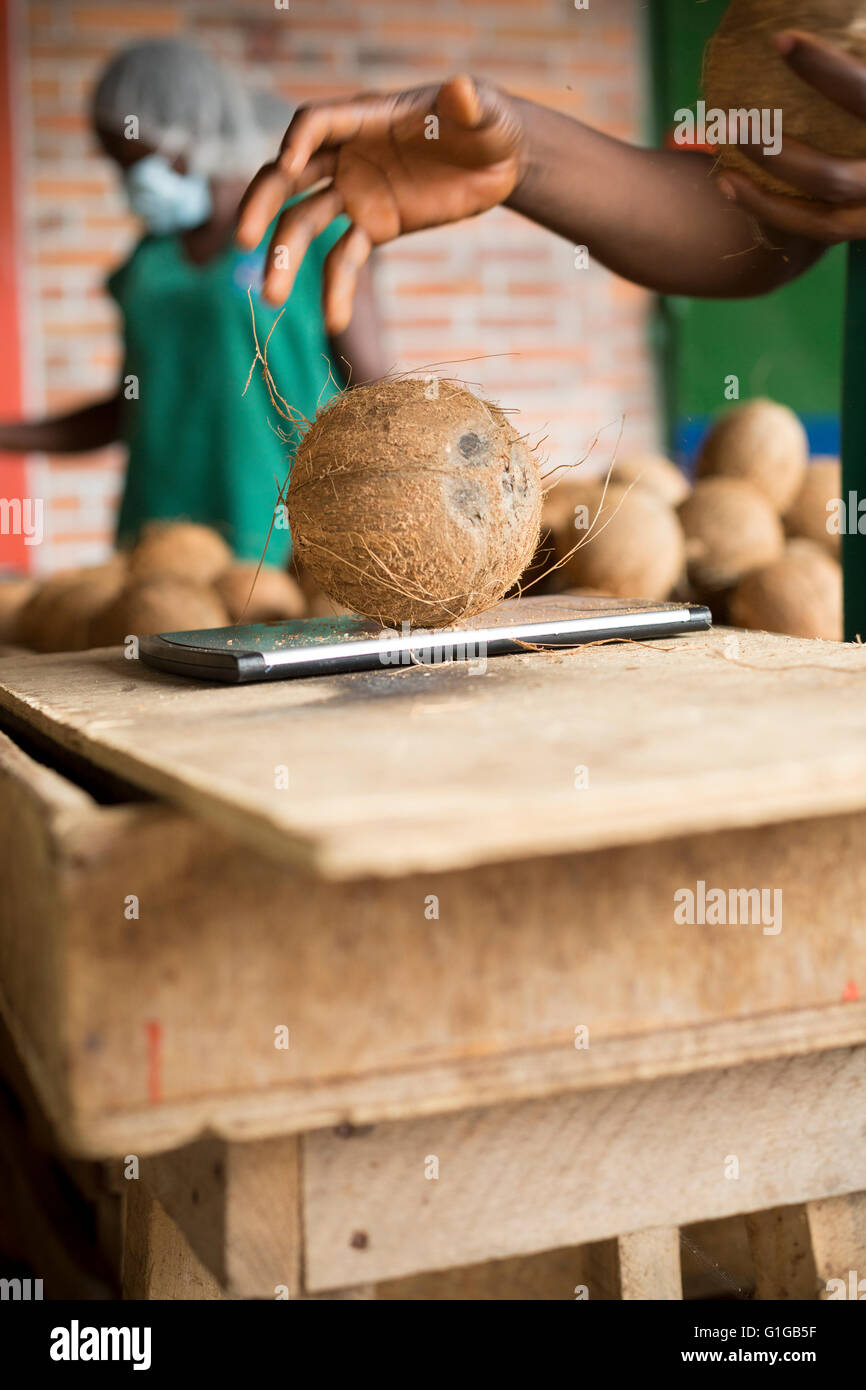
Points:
x=422, y=28
x=416, y=322
x=78, y=538
x=149, y=19
x=535, y=287
x=62, y=120
x=72, y=256
x=442, y=287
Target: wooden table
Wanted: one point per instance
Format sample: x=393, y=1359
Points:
x=379, y=974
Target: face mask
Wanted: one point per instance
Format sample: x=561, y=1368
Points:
x=165, y=200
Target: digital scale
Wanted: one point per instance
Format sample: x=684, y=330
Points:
x=325, y=646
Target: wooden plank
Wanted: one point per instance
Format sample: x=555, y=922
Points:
x=649, y=1264
x=782, y=1253
x=158, y=1262
x=238, y=1205
x=545, y=1174
x=837, y=1226
x=401, y=770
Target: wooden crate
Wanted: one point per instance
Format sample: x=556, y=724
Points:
x=470, y=946
x=143, y=1032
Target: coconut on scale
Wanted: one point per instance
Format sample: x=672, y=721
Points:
x=413, y=504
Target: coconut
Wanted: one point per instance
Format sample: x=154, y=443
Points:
x=808, y=515
x=744, y=70
x=56, y=618
x=14, y=593
x=730, y=529
x=407, y=506
x=630, y=545
x=266, y=597
x=799, y=594
x=182, y=548
x=655, y=472
x=162, y=603
x=763, y=442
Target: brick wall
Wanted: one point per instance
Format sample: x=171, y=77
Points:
x=576, y=340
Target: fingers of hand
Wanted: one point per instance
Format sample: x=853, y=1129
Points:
x=826, y=177
x=310, y=128
x=298, y=226
x=458, y=101
x=260, y=204
x=321, y=166
x=821, y=222
x=342, y=267
x=838, y=75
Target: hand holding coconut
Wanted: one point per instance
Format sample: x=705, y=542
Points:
x=764, y=57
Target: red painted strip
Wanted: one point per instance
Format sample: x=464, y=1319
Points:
x=693, y=146
x=14, y=554
x=154, y=1061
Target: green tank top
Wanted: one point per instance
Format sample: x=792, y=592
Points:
x=199, y=449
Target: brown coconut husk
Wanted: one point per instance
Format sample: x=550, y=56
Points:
x=185, y=549
x=808, y=516
x=629, y=543
x=260, y=594
x=56, y=618
x=730, y=528
x=799, y=594
x=411, y=507
x=743, y=69
x=654, y=471
x=162, y=603
x=762, y=442
x=14, y=593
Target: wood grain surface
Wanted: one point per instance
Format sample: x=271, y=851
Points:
x=398, y=770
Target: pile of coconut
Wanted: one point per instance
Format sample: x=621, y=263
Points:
x=751, y=538
x=180, y=576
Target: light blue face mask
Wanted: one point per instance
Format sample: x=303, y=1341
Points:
x=166, y=201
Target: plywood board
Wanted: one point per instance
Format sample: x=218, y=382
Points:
x=393, y=771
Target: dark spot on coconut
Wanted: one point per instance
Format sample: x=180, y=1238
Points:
x=470, y=446
x=468, y=500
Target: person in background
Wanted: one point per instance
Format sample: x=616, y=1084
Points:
x=186, y=135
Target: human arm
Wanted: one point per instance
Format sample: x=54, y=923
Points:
x=654, y=216
x=77, y=431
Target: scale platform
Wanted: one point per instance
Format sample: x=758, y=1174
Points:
x=325, y=646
